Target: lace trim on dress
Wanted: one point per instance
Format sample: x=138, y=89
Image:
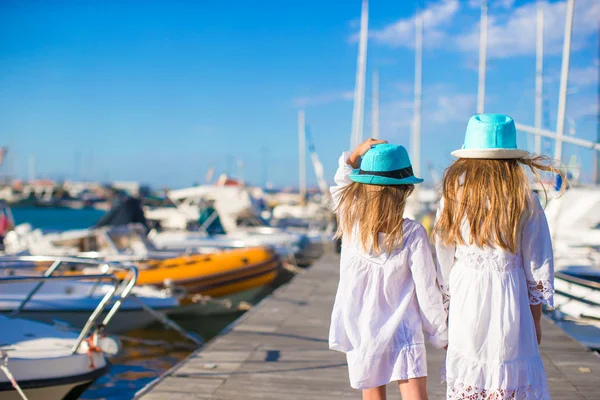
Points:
x=494, y=261
x=461, y=391
x=445, y=297
x=540, y=292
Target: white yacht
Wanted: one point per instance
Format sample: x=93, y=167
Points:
x=574, y=221
x=42, y=361
x=72, y=302
x=238, y=211
x=71, y=299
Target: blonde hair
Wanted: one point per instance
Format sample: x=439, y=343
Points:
x=492, y=195
x=366, y=210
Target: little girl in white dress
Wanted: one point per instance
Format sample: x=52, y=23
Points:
x=495, y=260
x=388, y=292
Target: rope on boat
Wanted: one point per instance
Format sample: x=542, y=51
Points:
x=9, y=375
x=168, y=322
x=293, y=268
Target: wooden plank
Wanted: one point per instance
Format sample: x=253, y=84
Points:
x=279, y=350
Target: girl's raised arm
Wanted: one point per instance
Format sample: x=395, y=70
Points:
x=349, y=161
x=341, y=179
x=538, y=257
x=427, y=290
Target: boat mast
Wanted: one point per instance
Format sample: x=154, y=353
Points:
x=596, y=155
x=375, y=105
x=482, y=57
x=416, y=133
x=359, y=89
x=564, y=78
x=31, y=168
x=302, y=155
x=539, y=71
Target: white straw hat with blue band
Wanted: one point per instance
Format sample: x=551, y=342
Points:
x=490, y=136
x=385, y=164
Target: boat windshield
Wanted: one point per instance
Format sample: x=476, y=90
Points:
x=252, y=220
x=129, y=240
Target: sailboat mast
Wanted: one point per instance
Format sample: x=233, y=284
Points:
x=302, y=155
x=416, y=133
x=32, y=173
x=539, y=71
x=596, y=155
x=375, y=105
x=359, y=89
x=482, y=57
x=564, y=78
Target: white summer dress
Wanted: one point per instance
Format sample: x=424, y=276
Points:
x=493, y=351
x=382, y=305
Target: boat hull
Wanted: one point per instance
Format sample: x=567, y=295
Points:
x=69, y=388
x=123, y=321
x=215, y=275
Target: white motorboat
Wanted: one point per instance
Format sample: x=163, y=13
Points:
x=46, y=294
x=239, y=213
x=73, y=302
x=577, y=303
x=574, y=218
x=41, y=361
x=46, y=362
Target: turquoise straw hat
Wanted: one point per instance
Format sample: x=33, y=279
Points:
x=490, y=136
x=385, y=164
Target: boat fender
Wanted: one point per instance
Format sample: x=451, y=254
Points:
x=98, y=343
x=109, y=345
x=90, y=347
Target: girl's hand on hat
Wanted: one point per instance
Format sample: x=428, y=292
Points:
x=360, y=150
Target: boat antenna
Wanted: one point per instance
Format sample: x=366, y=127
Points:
x=482, y=57
x=416, y=131
x=375, y=105
x=539, y=72
x=359, y=88
x=564, y=79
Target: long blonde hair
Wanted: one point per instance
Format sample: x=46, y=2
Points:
x=366, y=210
x=492, y=195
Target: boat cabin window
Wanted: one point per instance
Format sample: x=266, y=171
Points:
x=82, y=244
x=132, y=240
x=250, y=221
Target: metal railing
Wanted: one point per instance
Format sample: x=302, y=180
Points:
x=119, y=291
x=116, y=295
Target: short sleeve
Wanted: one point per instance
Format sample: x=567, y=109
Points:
x=538, y=257
x=341, y=179
x=444, y=259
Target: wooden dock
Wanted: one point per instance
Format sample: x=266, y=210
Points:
x=279, y=350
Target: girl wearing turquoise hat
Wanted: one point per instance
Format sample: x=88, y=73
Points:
x=495, y=262
x=387, y=294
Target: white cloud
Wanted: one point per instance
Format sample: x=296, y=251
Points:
x=582, y=107
x=402, y=32
x=513, y=33
x=453, y=107
x=394, y=115
x=585, y=76
x=442, y=104
x=324, y=98
x=494, y=3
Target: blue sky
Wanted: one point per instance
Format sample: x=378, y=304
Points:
x=158, y=91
